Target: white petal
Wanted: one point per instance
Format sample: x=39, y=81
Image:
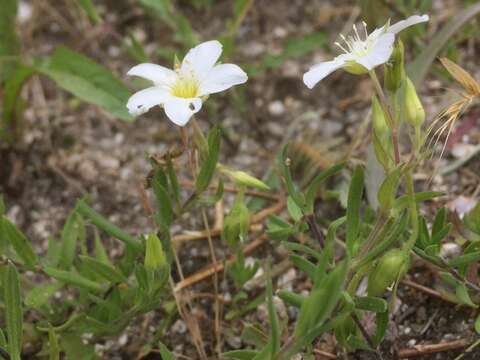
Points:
x=144, y=100
x=180, y=110
x=201, y=59
x=380, y=52
x=412, y=20
x=222, y=77
x=158, y=74
x=321, y=70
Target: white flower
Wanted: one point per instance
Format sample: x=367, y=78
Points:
x=181, y=91
x=362, y=53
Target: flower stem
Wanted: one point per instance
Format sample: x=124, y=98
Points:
x=413, y=211
x=391, y=121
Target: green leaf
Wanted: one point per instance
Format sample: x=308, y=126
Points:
x=402, y=201
x=74, y=279
x=11, y=93
x=321, y=301
x=370, y=303
x=291, y=298
x=388, y=189
x=69, y=238
x=275, y=331
x=355, y=193
x=13, y=310
x=87, y=80
x=419, y=68
x=2, y=206
x=172, y=176
x=439, y=221
x=391, y=237
x=319, y=179
x=102, y=223
x=285, y=165
x=89, y=8
x=293, y=209
x=477, y=324
x=9, y=41
x=382, y=324
x=240, y=354
x=54, y=350
x=465, y=259
x=165, y=211
x=166, y=354
x=100, y=252
x=75, y=348
x=461, y=292
x=303, y=264
x=3, y=339
x=103, y=270
x=39, y=295
x=209, y=165
x=20, y=243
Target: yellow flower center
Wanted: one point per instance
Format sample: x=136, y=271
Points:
x=185, y=88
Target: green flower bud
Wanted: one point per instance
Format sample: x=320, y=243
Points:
x=236, y=223
x=414, y=112
x=378, y=116
x=154, y=254
x=394, y=69
x=391, y=266
x=243, y=179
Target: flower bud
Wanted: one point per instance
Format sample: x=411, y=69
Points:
x=414, y=112
x=154, y=254
x=394, y=69
x=236, y=223
x=378, y=116
x=243, y=179
x=389, y=268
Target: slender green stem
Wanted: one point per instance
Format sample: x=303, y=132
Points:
x=413, y=211
x=391, y=121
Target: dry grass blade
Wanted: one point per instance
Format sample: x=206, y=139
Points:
x=447, y=119
x=464, y=78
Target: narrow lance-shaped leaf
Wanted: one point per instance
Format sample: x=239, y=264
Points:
x=166, y=354
x=296, y=195
x=208, y=167
x=9, y=42
x=353, y=209
x=69, y=238
x=89, y=8
x=20, y=243
x=11, y=92
x=13, y=311
x=103, y=270
x=388, y=189
x=319, y=179
x=74, y=279
x=273, y=319
x=87, y=80
x=102, y=223
x=165, y=211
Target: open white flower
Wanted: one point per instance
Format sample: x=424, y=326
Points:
x=363, y=52
x=181, y=91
